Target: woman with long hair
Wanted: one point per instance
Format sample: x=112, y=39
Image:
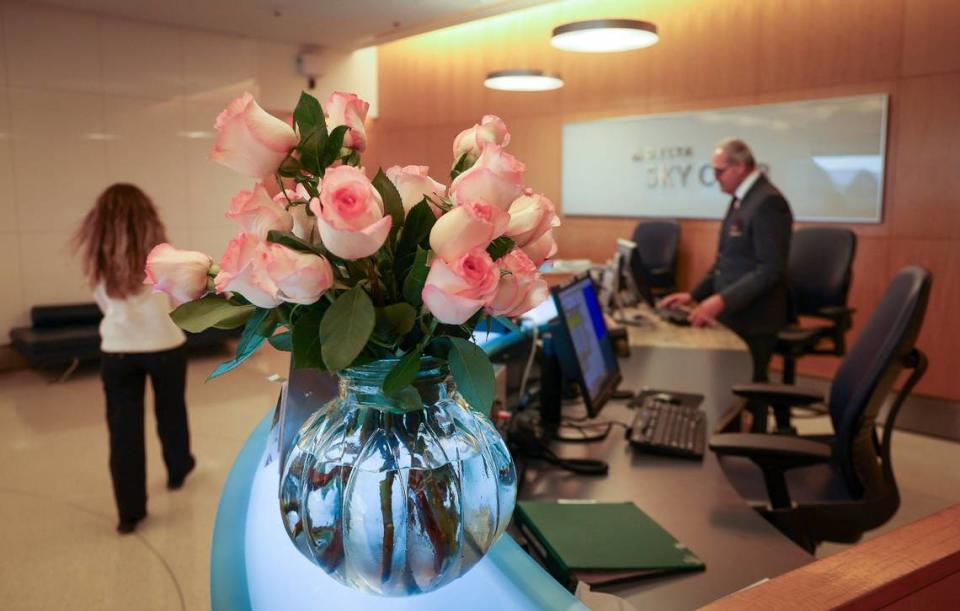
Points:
x=137, y=340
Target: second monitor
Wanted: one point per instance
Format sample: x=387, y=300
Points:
x=581, y=345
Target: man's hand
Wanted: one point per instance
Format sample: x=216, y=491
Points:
x=675, y=300
x=707, y=312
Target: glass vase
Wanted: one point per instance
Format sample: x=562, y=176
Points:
x=395, y=501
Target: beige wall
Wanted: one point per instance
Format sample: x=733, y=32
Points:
x=715, y=53
x=87, y=100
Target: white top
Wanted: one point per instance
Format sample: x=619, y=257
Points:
x=741, y=191
x=139, y=323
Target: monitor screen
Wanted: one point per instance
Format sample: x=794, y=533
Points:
x=584, y=347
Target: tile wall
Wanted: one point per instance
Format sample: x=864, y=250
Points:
x=88, y=100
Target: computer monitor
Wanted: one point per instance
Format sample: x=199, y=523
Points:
x=582, y=344
x=634, y=286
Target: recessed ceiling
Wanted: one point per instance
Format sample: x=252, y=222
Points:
x=343, y=24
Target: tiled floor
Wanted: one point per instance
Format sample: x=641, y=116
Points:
x=57, y=517
x=58, y=548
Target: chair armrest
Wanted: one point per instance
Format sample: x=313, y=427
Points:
x=778, y=394
x=772, y=451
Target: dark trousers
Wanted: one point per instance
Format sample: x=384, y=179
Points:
x=762, y=346
x=124, y=379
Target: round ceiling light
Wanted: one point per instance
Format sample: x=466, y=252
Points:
x=522, y=80
x=604, y=35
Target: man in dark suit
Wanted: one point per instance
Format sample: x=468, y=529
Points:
x=746, y=288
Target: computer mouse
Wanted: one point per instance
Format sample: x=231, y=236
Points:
x=666, y=398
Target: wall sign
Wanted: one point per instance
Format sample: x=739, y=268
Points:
x=826, y=156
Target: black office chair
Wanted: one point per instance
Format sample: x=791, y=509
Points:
x=654, y=262
x=819, y=274
x=835, y=488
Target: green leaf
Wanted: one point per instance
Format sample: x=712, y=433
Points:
x=313, y=133
x=416, y=232
x=250, y=340
x=305, y=339
x=398, y=317
x=331, y=150
x=282, y=341
x=500, y=247
x=346, y=327
x=290, y=168
x=308, y=113
x=269, y=324
x=416, y=278
x=461, y=165
x=403, y=373
x=473, y=373
x=211, y=311
x=392, y=204
x=408, y=399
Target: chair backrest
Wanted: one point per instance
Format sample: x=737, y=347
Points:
x=657, y=246
x=820, y=267
x=867, y=374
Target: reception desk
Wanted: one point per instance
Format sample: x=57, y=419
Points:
x=254, y=566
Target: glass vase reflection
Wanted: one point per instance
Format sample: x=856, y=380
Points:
x=396, y=502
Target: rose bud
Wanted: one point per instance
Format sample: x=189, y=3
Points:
x=243, y=270
x=496, y=178
x=541, y=249
x=466, y=227
x=181, y=274
x=531, y=216
x=299, y=277
x=258, y=213
x=454, y=292
x=413, y=184
x=470, y=142
x=520, y=289
x=250, y=140
x=348, y=109
x=350, y=214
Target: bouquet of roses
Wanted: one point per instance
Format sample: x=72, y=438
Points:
x=343, y=271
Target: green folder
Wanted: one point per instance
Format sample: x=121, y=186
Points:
x=601, y=543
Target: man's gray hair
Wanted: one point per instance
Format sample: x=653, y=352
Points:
x=736, y=150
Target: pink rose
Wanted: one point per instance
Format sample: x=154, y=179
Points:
x=250, y=140
x=470, y=142
x=531, y=216
x=413, y=184
x=495, y=178
x=299, y=277
x=258, y=213
x=521, y=287
x=350, y=214
x=243, y=270
x=181, y=274
x=454, y=292
x=541, y=249
x=466, y=227
x=348, y=109
x=303, y=223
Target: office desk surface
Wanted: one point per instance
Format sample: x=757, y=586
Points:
x=657, y=332
x=693, y=500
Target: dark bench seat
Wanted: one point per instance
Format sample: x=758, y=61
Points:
x=69, y=333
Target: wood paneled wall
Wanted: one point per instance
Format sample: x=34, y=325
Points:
x=715, y=53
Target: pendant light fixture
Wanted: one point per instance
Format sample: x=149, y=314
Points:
x=522, y=80
x=604, y=35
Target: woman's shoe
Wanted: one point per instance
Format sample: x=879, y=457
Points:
x=175, y=482
x=125, y=527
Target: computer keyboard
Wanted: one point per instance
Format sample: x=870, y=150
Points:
x=675, y=316
x=663, y=427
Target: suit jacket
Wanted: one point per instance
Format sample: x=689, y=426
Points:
x=750, y=271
